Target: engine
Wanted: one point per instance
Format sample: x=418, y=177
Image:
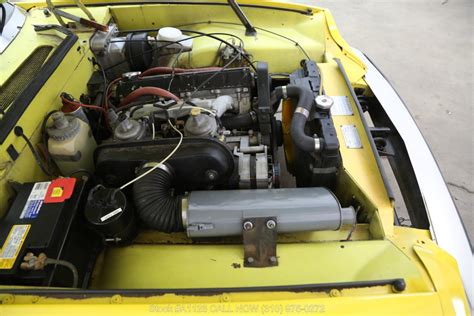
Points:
x=222, y=145
x=200, y=150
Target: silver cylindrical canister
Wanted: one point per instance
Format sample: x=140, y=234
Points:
x=222, y=213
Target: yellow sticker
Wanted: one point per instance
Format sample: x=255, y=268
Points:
x=11, y=247
x=57, y=192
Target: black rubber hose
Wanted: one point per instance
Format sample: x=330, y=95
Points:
x=298, y=122
x=155, y=205
x=244, y=120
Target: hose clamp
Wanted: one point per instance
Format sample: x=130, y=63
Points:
x=165, y=167
x=303, y=111
x=184, y=211
x=284, y=92
x=317, y=144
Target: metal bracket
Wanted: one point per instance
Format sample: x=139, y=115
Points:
x=260, y=239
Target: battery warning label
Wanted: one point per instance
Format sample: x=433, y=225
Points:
x=11, y=246
x=35, y=200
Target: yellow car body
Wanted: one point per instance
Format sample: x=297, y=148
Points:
x=128, y=281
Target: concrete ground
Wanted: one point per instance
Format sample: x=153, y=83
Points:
x=425, y=48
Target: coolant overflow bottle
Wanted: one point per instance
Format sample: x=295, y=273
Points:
x=71, y=144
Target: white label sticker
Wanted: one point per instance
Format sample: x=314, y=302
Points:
x=35, y=200
x=14, y=241
x=113, y=213
x=341, y=106
x=351, y=136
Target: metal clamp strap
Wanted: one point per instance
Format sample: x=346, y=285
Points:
x=285, y=92
x=303, y=111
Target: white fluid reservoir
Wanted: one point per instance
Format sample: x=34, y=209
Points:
x=172, y=34
x=71, y=144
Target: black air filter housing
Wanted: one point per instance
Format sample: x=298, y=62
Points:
x=196, y=159
x=109, y=213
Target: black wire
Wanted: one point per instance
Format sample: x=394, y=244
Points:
x=200, y=34
x=207, y=80
x=225, y=42
x=19, y=132
x=145, y=52
x=148, y=101
x=213, y=75
x=89, y=173
x=173, y=73
x=4, y=18
x=44, y=135
x=152, y=49
x=258, y=28
x=99, y=95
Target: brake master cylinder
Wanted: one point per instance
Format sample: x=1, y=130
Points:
x=71, y=143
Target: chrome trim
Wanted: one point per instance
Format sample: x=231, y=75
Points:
x=12, y=27
x=445, y=223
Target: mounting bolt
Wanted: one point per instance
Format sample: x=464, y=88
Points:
x=271, y=224
x=211, y=174
x=250, y=260
x=248, y=226
x=334, y=293
x=273, y=260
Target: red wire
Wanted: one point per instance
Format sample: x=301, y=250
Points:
x=108, y=93
x=78, y=104
x=89, y=106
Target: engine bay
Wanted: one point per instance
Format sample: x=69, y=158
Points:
x=157, y=152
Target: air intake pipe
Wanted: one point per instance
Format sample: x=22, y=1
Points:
x=156, y=206
x=221, y=213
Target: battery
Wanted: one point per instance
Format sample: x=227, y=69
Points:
x=45, y=218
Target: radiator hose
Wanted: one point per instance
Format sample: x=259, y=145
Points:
x=154, y=202
x=303, y=108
